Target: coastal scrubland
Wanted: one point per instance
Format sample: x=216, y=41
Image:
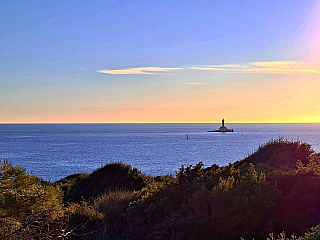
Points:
x=273, y=193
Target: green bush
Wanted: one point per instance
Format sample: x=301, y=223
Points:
x=67, y=183
x=81, y=213
x=108, y=178
x=313, y=234
x=239, y=205
x=280, y=153
x=30, y=208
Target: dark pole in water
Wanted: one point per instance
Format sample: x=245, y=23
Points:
x=187, y=136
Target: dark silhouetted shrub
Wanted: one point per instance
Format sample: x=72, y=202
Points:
x=110, y=177
x=66, y=183
x=280, y=153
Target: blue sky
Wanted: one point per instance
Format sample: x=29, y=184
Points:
x=55, y=57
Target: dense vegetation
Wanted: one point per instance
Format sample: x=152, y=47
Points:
x=275, y=190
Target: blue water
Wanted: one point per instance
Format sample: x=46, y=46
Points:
x=54, y=151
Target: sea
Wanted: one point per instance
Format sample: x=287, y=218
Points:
x=54, y=151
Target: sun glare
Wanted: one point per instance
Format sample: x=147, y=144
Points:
x=312, y=36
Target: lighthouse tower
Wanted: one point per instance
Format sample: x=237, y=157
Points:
x=223, y=128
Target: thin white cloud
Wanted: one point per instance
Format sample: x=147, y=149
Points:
x=275, y=67
x=271, y=67
x=285, y=67
x=143, y=70
x=223, y=67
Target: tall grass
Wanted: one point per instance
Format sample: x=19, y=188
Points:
x=114, y=201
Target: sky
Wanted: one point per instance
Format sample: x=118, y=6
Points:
x=248, y=61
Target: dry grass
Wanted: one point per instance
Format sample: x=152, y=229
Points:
x=114, y=201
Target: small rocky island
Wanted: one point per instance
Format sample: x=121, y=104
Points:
x=222, y=128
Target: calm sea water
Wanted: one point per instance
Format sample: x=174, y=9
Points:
x=54, y=151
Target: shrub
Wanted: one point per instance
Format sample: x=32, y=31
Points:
x=113, y=202
x=30, y=208
x=299, y=206
x=313, y=234
x=84, y=221
x=239, y=205
x=81, y=213
x=108, y=178
x=150, y=202
x=190, y=173
x=67, y=183
x=280, y=153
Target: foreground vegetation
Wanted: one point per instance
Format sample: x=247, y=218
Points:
x=275, y=190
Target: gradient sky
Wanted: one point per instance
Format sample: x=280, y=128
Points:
x=159, y=61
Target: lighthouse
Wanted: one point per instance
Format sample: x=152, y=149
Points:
x=223, y=128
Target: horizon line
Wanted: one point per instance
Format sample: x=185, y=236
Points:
x=158, y=123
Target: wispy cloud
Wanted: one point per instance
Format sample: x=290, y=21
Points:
x=143, y=70
x=272, y=67
x=275, y=67
x=223, y=67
